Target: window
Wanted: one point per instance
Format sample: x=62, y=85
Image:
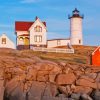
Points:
x=38, y=38
x=79, y=41
x=38, y=29
x=58, y=42
x=20, y=38
x=3, y=40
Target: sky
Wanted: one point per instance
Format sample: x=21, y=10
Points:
x=55, y=13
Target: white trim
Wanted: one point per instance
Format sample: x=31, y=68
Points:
x=55, y=50
x=35, y=22
x=95, y=50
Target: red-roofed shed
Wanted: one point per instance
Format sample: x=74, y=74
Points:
x=96, y=57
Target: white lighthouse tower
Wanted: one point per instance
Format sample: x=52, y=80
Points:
x=76, y=36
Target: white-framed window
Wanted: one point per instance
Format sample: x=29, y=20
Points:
x=3, y=40
x=58, y=42
x=38, y=38
x=38, y=28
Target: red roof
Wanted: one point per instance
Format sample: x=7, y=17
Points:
x=44, y=23
x=24, y=26
x=98, y=48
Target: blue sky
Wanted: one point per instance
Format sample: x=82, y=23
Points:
x=55, y=13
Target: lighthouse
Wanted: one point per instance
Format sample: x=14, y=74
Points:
x=76, y=34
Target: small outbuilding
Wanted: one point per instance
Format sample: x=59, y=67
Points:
x=96, y=57
x=5, y=42
x=57, y=42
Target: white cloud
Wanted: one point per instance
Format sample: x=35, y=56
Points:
x=29, y=1
x=5, y=26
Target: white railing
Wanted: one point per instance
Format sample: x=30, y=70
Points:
x=57, y=50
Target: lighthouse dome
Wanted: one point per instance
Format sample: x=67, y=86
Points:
x=76, y=13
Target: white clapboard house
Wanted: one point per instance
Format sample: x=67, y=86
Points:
x=31, y=34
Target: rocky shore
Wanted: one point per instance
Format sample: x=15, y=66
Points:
x=32, y=78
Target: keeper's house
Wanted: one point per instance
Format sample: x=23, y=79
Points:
x=34, y=34
x=31, y=34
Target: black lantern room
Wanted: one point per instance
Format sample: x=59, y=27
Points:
x=76, y=14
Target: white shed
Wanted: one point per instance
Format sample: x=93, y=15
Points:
x=5, y=42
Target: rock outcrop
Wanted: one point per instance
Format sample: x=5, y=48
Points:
x=31, y=78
